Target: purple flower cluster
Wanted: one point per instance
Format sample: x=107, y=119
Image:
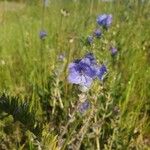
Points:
x=104, y=20
x=84, y=71
x=42, y=35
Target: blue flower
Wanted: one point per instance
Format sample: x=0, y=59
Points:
x=97, y=33
x=82, y=72
x=104, y=20
x=113, y=51
x=89, y=59
x=90, y=39
x=42, y=35
x=101, y=71
x=84, y=106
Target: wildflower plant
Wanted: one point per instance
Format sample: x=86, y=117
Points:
x=87, y=73
x=104, y=20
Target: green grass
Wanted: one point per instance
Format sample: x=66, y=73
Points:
x=38, y=107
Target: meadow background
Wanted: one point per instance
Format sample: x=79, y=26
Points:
x=38, y=105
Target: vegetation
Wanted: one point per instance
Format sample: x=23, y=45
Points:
x=39, y=108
